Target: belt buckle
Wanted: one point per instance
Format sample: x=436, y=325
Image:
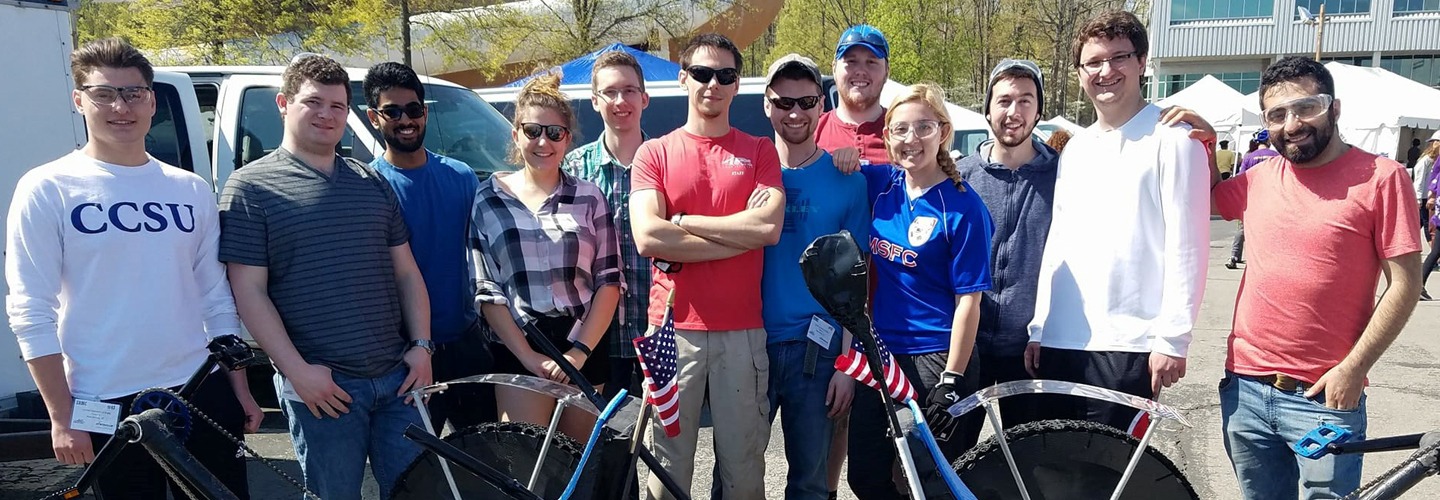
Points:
x=1285, y=382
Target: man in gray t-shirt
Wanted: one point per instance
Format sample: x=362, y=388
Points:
x=320, y=265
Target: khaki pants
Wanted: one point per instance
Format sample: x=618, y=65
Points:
x=732, y=369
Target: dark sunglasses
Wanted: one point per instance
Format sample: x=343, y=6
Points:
x=666, y=266
x=704, y=74
x=413, y=110
x=788, y=103
x=553, y=132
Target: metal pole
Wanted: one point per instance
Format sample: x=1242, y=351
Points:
x=418, y=396
x=994, y=415
x=545, y=447
x=1135, y=458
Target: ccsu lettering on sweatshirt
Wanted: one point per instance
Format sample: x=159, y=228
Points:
x=892, y=252
x=131, y=217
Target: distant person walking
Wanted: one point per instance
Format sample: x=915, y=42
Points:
x=1427, y=194
x=1259, y=151
x=1424, y=170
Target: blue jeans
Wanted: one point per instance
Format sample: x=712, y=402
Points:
x=800, y=400
x=1262, y=423
x=332, y=451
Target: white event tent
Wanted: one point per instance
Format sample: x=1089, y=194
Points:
x=1221, y=105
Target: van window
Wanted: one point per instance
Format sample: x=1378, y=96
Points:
x=208, y=95
x=261, y=129
x=459, y=125
x=168, y=140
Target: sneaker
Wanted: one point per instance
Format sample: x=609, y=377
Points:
x=1424, y=295
x=1232, y=264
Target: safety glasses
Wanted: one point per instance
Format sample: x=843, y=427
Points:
x=555, y=133
x=788, y=103
x=1303, y=108
x=106, y=95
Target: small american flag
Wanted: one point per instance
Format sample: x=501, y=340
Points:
x=656, y=353
x=854, y=364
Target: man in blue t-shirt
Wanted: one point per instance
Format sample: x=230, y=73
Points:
x=801, y=338
x=436, y=194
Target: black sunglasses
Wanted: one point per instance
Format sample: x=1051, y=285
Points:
x=413, y=110
x=666, y=266
x=553, y=132
x=788, y=103
x=704, y=74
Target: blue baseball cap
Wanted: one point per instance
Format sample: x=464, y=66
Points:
x=863, y=35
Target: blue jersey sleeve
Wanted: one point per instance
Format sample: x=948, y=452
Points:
x=878, y=179
x=970, y=245
x=859, y=213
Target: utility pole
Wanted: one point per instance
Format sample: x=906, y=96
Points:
x=1319, y=32
x=405, y=32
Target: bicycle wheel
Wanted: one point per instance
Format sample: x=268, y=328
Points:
x=1070, y=460
x=511, y=448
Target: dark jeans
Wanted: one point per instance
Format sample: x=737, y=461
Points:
x=1430, y=260
x=1127, y=372
x=872, y=452
x=134, y=474
x=463, y=405
x=1014, y=410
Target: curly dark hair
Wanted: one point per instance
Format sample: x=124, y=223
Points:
x=1296, y=70
x=390, y=75
x=1110, y=26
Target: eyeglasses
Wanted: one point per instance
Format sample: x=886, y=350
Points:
x=1094, y=66
x=554, y=133
x=630, y=93
x=414, y=110
x=788, y=103
x=1303, y=108
x=923, y=129
x=105, y=95
x=704, y=74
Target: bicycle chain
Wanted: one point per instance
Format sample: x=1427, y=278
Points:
x=238, y=442
x=1393, y=470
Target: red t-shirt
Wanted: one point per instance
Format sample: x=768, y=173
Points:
x=711, y=176
x=1315, y=239
x=832, y=133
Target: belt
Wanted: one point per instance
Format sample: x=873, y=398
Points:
x=1279, y=381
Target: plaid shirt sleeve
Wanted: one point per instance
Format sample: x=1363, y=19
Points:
x=606, y=267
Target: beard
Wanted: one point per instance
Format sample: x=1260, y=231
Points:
x=393, y=141
x=797, y=137
x=1302, y=153
x=1016, y=141
x=861, y=102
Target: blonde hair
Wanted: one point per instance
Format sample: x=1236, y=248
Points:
x=933, y=97
x=541, y=92
x=1433, y=149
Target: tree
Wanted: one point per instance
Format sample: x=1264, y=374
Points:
x=488, y=38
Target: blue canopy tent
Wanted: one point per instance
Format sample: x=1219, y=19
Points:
x=578, y=70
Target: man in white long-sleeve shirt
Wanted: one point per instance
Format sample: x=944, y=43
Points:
x=114, y=282
x=1123, y=271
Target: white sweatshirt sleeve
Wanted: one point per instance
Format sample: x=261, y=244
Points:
x=33, y=254
x=1422, y=177
x=1185, y=203
x=220, y=314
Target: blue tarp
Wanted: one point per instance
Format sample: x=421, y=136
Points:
x=578, y=71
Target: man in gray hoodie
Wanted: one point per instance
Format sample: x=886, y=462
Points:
x=1014, y=174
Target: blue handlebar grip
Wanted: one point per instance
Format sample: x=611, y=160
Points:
x=1316, y=443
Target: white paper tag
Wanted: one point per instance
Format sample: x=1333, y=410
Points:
x=287, y=391
x=94, y=416
x=821, y=332
x=567, y=223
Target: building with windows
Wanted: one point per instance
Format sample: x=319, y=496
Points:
x=1236, y=39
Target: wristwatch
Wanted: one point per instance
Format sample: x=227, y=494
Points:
x=426, y=344
x=580, y=346
x=950, y=377
x=675, y=219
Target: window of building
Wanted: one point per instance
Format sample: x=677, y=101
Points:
x=1365, y=61
x=1182, y=11
x=1412, y=6
x=1421, y=68
x=1243, y=81
x=1335, y=7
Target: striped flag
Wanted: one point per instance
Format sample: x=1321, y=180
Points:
x=854, y=364
x=656, y=353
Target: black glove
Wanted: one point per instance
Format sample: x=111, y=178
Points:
x=942, y=397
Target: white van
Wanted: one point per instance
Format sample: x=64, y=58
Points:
x=668, y=107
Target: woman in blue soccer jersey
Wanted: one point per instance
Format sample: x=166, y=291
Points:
x=930, y=253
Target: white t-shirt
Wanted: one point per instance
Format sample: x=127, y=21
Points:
x=1124, y=265
x=1422, y=177
x=115, y=268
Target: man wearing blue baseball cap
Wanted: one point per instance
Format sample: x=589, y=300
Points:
x=852, y=131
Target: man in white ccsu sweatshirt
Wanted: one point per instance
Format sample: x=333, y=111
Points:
x=114, y=282
x=1123, y=271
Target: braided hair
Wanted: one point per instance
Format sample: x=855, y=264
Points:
x=932, y=96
